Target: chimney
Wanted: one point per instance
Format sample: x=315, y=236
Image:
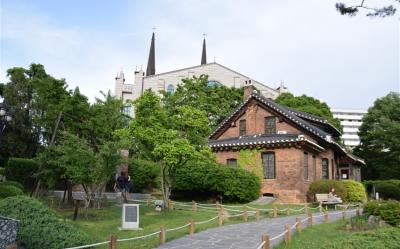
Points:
x=248, y=88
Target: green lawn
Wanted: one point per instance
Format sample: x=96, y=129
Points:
x=333, y=236
x=101, y=223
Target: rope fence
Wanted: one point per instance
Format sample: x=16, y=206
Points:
x=218, y=209
x=266, y=240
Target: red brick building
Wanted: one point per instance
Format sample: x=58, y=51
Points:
x=288, y=149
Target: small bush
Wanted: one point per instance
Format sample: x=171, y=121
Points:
x=355, y=191
x=323, y=187
x=143, y=174
x=387, y=190
x=21, y=170
x=40, y=228
x=207, y=179
x=9, y=190
x=12, y=183
x=388, y=211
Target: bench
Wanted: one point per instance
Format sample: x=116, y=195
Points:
x=324, y=199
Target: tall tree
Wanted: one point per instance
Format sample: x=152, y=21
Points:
x=310, y=105
x=380, y=139
x=35, y=99
x=217, y=101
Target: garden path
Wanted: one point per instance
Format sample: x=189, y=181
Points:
x=245, y=235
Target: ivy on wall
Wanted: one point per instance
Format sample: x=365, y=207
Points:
x=250, y=159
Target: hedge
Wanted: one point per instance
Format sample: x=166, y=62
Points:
x=355, y=191
x=389, y=211
x=9, y=190
x=387, y=189
x=40, y=228
x=143, y=174
x=207, y=179
x=21, y=170
x=323, y=187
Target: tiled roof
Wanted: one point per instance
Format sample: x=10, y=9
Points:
x=280, y=109
x=259, y=139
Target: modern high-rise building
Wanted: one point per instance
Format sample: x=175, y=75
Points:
x=168, y=81
x=351, y=120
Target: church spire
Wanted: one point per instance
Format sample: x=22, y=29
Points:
x=204, y=54
x=151, y=64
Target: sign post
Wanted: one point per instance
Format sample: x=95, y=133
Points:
x=130, y=216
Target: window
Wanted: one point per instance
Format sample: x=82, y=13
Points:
x=231, y=162
x=269, y=124
x=212, y=83
x=325, y=169
x=332, y=169
x=268, y=159
x=127, y=109
x=314, y=165
x=242, y=127
x=305, y=166
x=170, y=88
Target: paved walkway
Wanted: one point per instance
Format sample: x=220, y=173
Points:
x=245, y=235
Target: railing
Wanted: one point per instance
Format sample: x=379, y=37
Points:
x=266, y=240
x=220, y=216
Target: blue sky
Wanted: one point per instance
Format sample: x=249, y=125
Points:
x=347, y=62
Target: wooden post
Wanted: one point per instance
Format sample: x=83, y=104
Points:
x=76, y=208
x=194, y=206
x=288, y=235
x=149, y=201
x=265, y=238
x=326, y=217
x=245, y=215
x=220, y=219
x=320, y=207
x=113, y=242
x=257, y=215
x=344, y=214
x=298, y=225
x=358, y=211
x=162, y=235
x=287, y=211
x=306, y=208
x=275, y=212
x=191, y=227
x=310, y=220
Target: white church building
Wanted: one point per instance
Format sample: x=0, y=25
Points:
x=168, y=81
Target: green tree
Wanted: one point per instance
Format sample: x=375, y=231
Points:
x=353, y=10
x=310, y=105
x=380, y=139
x=217, y=101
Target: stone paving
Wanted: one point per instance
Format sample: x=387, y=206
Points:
x=245, y=235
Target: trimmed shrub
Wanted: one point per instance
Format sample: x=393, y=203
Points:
x=388, y=211
x=387, y=190
x=40, y=228
x=355, y=191
x=9, y=190
x=207, y=180
x=323, y=187
x=12, y=183
x=21, y=170
x=143, y=174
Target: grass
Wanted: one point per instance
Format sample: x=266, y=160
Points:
x=102, y=223
x=333, y=236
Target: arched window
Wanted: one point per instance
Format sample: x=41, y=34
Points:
x=170, y=88
x=212, y=83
